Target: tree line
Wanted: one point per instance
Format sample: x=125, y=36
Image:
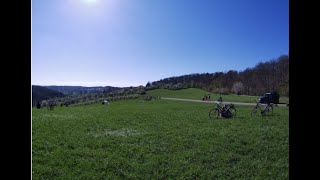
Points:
x=95, y=97
x=269, y=76
x=265, y=77
x=40, y=93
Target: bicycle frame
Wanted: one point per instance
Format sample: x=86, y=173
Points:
x=218, y=107
x=219, y=110
x=263, y=111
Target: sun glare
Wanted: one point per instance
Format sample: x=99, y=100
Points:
x=90, y=11
x=90, y=1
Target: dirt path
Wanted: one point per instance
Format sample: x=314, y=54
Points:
x=236, y=103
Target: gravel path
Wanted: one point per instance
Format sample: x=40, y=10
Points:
x=235, y=103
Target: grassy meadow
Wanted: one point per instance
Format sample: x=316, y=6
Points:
x=158, y=139
x=198, y=94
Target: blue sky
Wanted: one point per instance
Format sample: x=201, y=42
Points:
x=130, y=42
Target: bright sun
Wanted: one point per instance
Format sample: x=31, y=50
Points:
x=90, y=1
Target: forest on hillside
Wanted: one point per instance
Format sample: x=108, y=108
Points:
x=79, y=90
x=72, y=94
x=265, y=77
x=40, y=93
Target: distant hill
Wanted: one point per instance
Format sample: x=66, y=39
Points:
x=78, y=90
x=74, y=94
x=269, y=76
x=40, y=93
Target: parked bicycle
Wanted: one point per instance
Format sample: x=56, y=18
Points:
x=226, y=111
x=264, y=110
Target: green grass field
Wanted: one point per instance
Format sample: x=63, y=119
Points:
x=198, y=94
x=158, y=139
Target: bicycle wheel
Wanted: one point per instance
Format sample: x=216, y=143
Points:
x=233, y=111
x=254, y=111
x=214, y=113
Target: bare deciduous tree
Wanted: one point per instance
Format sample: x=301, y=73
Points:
x=238, y=88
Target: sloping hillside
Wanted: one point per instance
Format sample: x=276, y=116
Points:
x=190, y=93
x=40, y=93
x=77, y=90
x=265, y=77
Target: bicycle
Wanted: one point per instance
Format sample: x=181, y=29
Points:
x=227, y=111
x=267, y=110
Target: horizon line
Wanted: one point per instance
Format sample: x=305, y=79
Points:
x=88, y=86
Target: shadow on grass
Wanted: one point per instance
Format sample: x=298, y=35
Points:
x=269, y=115
x=265, y=116
x=234, y=118
x=239, y=117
